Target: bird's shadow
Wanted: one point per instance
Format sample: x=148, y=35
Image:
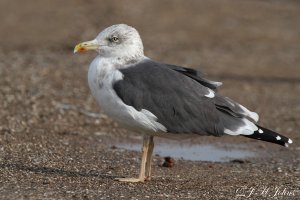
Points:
x=51, y=170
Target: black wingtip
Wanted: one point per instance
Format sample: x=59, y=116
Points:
x=270, y=136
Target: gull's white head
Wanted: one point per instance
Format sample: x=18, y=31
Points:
x=118, y=41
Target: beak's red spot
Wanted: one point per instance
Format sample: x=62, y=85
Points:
x=81, y=49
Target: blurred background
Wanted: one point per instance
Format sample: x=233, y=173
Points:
x=252, y=46
x=52, y=131
x=234, y=36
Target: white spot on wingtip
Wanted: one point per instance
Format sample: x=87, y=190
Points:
x=211, y=94
x=248, y=128
x=218, y=84
x=278, y=138
x=290, y=141
x=260, y=131
x=286, y=145
x=254, y=116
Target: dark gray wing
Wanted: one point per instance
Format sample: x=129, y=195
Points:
x=196, y=75
x=227, y=105
x=222, y=103
x=175, y=98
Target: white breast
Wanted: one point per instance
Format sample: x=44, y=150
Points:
x=101, y=76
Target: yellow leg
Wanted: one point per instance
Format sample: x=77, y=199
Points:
x=149, y=159
x=145, y=170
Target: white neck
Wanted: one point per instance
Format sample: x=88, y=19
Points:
x=119, y=62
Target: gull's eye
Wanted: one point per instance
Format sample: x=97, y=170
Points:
x=114, y=39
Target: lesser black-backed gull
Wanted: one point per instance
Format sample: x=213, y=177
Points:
x=157, y=99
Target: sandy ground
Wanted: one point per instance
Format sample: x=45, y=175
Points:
x=52, y=147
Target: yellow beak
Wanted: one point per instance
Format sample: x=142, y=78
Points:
x=85, y=46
